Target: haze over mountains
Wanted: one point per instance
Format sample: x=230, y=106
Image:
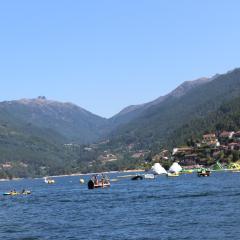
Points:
x=33, y=131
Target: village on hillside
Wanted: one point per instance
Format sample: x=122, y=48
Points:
x=217, y=151
x=213, y=150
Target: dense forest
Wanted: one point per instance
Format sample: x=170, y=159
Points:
x=225, y=118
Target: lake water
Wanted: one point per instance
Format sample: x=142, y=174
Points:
x=187, y=207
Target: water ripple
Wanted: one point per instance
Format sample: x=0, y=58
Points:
x=184, y=208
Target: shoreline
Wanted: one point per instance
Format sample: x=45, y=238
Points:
x=94, y=173
x=73, y=175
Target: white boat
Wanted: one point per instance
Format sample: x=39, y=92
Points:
x=49, y=180
x=149, y=176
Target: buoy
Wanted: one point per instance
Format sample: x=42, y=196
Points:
x=82, y=181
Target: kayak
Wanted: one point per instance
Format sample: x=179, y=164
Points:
x=11, y=193
x=16, y=193
x=173, y=175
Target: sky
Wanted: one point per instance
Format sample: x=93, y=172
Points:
x=104, y=55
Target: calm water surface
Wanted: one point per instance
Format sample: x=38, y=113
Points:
x=186, y=207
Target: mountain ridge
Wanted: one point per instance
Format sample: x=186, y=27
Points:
x=133, y=111
x=158, y=122
x=51, y=137
x=70, y=120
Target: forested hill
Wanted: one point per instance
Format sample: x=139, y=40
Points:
x=33, y=133
x=160, y=122
x=132, y=112
x=75, y=124
x=25, y=148
x=226, y=117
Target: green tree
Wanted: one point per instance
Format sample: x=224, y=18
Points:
x=235, y=156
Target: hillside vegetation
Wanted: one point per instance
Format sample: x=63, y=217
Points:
x=72, y=122
x=43, y=137
x=159, y=123
x=226, y=117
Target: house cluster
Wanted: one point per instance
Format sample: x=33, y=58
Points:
x=6, y=165
x=9, y=165
x=211, y=148
x=107, y=157
x=140, y=154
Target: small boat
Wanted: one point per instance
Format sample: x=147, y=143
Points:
x=204, y=173
x=95, y=183
x=149, y=176
x=11, y=193
x=14, y=193
x=137, y=177
x=49, y=180
x=173, y=174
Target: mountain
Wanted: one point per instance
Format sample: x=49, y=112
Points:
x=158, y=122
x=34, y=132
x=73, y=124
x=25, y=149
x=70, y=121
x=43, y=137
x=131, y=112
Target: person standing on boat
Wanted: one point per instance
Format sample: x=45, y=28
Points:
x=103, y=180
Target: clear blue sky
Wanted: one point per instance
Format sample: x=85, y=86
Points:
x=105, y=55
